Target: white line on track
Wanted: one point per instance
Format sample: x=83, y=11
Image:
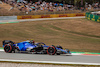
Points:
x=1, y=50
x=52, y=62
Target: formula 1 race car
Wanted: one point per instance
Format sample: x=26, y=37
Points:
x=30, y=46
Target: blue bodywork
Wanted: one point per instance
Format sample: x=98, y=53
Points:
x=24, y=45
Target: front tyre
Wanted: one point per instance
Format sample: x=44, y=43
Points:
x=51, y=50
x=8, y=48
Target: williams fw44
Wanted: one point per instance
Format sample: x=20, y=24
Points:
x=30, y=47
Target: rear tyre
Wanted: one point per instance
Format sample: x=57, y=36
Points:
x=8, y=48
x=51, y=50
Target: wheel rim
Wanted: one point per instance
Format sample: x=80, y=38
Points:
x=51, y=50
x=7, y=48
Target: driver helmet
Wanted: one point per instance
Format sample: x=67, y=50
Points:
x=32, y=41
x=58, y=46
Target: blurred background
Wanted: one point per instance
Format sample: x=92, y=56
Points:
x=38, y=7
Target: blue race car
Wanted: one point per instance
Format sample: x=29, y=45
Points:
x=30, y=46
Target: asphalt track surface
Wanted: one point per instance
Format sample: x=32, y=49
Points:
x=77, y=59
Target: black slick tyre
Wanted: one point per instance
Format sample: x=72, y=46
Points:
x=8, y=48
x=51, y=50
